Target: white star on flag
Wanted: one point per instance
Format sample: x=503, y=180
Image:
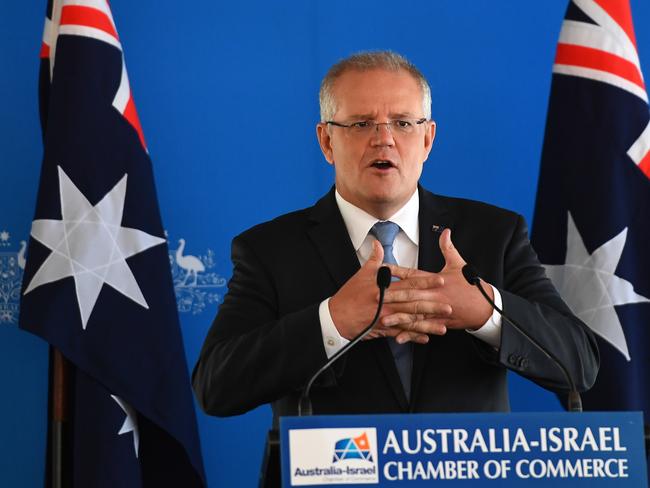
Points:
x=90, y=244
x=591, y=289
x=130, y=422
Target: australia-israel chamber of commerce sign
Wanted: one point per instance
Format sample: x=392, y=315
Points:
x=554, y=449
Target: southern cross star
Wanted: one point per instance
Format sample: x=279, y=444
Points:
x=589, y=286
x=90, y=244
x=130, y=422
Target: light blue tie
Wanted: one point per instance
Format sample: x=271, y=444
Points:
x=385, y=233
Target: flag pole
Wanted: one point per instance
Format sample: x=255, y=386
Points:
x=59, y=397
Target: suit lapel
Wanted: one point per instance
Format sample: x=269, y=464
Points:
x=331, y=239
x=434, y=216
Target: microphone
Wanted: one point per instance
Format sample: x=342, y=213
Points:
x=574, y=401
x=471, y=275
x=383, y=282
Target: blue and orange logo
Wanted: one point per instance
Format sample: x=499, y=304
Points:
x=352, y=448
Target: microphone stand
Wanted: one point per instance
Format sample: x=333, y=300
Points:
x=383, y=282
x=574, y=402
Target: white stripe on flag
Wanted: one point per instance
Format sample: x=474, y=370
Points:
x=47, y=32
x=595, y=37
x=641, y=147
x=123, y=92
x=101, y=5
x=602, y=18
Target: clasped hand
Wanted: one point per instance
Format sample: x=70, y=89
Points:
x=419, y=304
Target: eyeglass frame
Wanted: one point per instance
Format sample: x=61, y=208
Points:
x=389, y=124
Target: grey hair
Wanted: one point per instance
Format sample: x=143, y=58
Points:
x=366, y=61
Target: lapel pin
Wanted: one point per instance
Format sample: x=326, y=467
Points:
x=437, y=228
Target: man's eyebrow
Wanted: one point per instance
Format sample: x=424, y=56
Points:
x=361, y=117
x=392, y=116
x=402, y=115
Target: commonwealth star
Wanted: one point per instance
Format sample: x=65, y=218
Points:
x=90, y=244
x=130, y=422
x=591, y=289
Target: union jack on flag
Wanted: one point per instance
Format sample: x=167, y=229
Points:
x=97, y=283
x=593, y=201
x=597, y=42
x=92, y=19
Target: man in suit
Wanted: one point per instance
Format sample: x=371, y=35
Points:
x=304, y=284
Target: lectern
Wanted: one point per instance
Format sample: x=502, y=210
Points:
x=594, y=449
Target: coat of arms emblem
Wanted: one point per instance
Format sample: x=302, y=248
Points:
x=12, y=265
x=195, y=283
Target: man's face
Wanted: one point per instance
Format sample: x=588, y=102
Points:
x=377, y=171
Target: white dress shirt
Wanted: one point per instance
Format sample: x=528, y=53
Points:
x=405, y=249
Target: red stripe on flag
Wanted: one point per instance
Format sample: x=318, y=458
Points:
x=45, y=51
x=644, y=165
x=131, y=114
x=588, y=57
x=622, y=15
x=88, y=17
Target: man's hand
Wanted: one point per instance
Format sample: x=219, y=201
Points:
x=423, y=305
x=355, y=304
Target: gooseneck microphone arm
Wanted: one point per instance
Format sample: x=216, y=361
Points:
x=574, y=402
x=383, y=282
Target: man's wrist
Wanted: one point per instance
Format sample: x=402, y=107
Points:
x=490, y=331
x=332, y=339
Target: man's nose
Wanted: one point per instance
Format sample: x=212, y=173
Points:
x=382, y=135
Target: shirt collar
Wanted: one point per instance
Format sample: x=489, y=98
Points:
x=359, y=222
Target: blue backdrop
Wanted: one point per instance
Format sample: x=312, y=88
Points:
x=227, y=97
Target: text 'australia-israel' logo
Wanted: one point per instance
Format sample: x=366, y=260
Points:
x=353, y=448
x=333, y=456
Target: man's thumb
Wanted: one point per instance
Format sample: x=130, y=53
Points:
x=377, y=255
x=449, y=251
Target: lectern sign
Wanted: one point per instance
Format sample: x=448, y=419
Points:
x=554, y=449
x=349, y=456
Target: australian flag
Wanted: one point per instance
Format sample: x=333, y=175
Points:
x=97, y=284
x=592, y=215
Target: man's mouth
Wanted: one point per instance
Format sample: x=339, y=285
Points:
x=382, y=164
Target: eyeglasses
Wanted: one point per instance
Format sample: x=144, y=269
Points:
x=366, y=127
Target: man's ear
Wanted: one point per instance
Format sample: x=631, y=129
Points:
x=325, y=141
x=429, y=137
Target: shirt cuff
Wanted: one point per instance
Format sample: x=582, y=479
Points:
x=490, y=332
x=332, y=340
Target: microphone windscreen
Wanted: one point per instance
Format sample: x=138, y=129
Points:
x=471, y=274
x=384, y=277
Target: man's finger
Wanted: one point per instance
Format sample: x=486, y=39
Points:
x=431, y=326
x=404, y=337
x=390, y=332
x=376, y=256
x=402, y=272
x=420, y=325
x=436, y=309
x=452, y=258
x=425, y=324
x=414, y=295
x=429, y=281
x=376, y=333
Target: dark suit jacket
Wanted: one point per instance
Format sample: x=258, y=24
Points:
x=266, y=340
